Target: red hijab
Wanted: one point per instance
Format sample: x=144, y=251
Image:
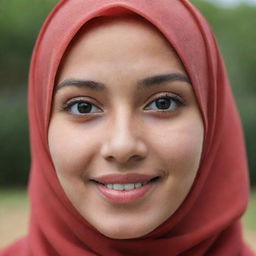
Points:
x=207, y=223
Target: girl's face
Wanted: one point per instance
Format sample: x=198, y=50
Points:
x=126, y=133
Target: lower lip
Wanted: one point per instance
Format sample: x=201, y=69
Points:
x=124, y=196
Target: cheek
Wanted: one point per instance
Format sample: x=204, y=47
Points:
x=180, y=147
x=70, y=148
x=179, y=150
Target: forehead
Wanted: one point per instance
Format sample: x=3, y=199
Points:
x=119, y=41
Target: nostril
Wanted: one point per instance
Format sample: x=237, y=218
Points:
x=123, y=152
x=110, y=158
x=133, y=158
x=136, y=157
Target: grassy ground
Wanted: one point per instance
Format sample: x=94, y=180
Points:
x=14, y=210
x=249, y=221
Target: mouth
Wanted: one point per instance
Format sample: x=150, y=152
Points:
x=125, y=181
x=125, y=188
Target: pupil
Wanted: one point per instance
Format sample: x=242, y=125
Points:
x=163, y=103
x=84, y=107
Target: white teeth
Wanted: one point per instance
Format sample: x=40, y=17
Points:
x=138, y=185
x=118, y=187
x=110, y=186
x=124, y=186
x=128, y=186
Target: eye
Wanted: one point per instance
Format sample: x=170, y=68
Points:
x=81, y=107
x=166, y=103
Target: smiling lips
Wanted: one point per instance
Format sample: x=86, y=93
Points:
x=125, y=188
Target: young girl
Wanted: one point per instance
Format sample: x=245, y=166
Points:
x=136, y=143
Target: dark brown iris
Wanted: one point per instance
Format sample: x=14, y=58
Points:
x=163, y=103
x=84, y=107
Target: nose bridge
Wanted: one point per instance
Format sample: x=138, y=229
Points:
x=124, y=125
x=124, y=134
x=125, y=140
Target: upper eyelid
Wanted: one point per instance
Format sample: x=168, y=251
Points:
x=164, y=94
x=83, y=99
x=148, y=101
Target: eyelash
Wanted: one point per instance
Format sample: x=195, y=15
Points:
x=179, y=101
x=68, y=106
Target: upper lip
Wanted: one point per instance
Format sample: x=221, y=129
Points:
x=129, y=178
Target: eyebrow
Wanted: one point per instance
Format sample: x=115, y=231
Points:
x=142, y=84
x=158, y=79
x=81, y=84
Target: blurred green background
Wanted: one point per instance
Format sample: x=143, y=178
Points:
x=20, y=21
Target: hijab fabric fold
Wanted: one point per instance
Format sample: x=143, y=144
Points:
x=207, y=223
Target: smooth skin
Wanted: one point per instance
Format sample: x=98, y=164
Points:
x=137, y=114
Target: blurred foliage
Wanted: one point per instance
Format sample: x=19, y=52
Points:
x=236, y=34
x=20, y=22
x=14, y=155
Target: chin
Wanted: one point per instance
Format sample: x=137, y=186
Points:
x=124, y=235
x=124, y=232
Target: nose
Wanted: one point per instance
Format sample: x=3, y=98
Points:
x=124, y=144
